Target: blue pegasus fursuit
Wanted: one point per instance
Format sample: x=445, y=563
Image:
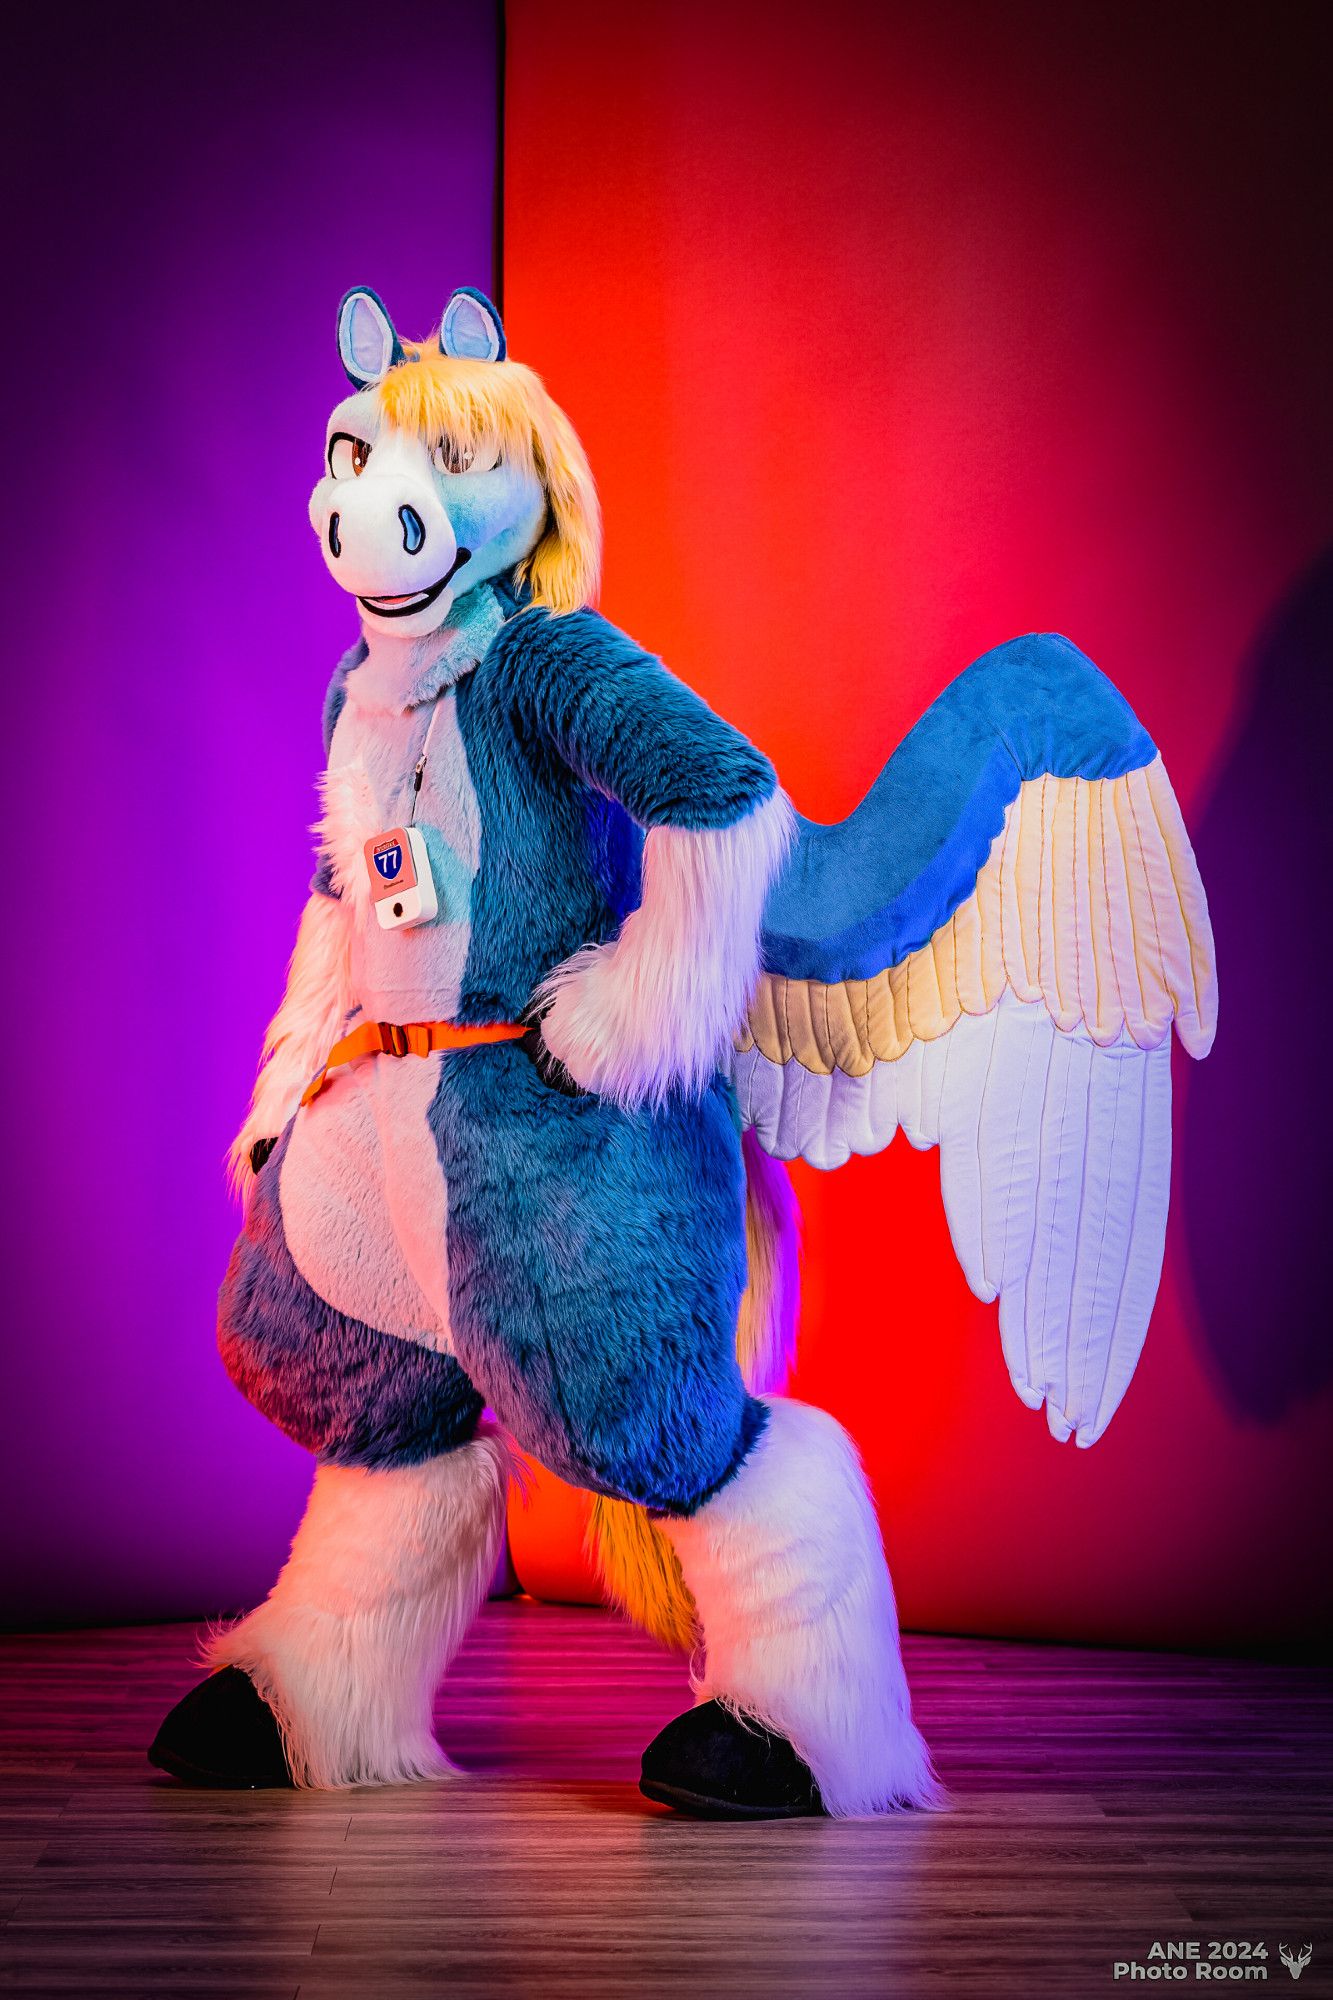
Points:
x=572, y=982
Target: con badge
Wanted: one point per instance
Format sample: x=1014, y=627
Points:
x=402, y=887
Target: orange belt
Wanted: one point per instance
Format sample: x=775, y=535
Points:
x=418, y=1038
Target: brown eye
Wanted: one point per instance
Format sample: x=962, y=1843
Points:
x=347, y=455
x=451, y=455
x=459, y=455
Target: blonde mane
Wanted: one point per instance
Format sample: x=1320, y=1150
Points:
x=503, y=403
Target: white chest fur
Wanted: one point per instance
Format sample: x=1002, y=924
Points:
x=414, y=974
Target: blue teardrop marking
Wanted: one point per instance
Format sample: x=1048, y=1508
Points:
x=335, y=546
x=414, y=534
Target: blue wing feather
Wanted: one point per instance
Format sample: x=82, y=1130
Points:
x=862, y=894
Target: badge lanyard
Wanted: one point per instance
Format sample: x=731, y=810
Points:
x=402, y=885
x=419, y=768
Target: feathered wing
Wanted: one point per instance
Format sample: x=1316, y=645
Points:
x=990, y=954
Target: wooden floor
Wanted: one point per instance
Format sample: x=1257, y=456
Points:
x=1102, y=1801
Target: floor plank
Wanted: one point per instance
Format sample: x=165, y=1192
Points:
x=1101, y=1801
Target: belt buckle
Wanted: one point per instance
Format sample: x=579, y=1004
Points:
x=397, y=1038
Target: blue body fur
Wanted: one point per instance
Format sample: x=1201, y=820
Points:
x=596, y=1265
x=596, y=1257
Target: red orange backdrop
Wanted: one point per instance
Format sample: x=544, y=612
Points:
x=892, y=333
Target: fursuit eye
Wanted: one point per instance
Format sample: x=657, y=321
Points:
x=347, y=455
x=462, y=455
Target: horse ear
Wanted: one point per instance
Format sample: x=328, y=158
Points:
x=367, y=342
x=471, y=329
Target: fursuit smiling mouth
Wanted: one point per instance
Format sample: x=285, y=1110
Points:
x=417, y=600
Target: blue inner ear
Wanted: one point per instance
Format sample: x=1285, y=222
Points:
x=367, y=342
x=471, y=329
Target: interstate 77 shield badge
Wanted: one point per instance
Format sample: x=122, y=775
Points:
x=402, y=887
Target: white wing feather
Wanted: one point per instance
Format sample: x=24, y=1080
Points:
x=1054, y=1167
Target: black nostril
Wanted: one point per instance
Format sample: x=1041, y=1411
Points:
x=414, y=532
x=335, y=546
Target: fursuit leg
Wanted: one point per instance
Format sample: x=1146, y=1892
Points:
x=387, y=1572
x=787, y=1569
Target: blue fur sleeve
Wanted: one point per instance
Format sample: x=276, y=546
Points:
x=629, y=728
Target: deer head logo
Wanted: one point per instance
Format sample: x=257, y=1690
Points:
x=1295, y=1962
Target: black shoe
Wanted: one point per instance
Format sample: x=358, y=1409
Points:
x=222, y=1732
x=718, y=1765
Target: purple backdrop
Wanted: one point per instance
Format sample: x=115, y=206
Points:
x=199, y=196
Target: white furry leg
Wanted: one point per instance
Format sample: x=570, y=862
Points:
x=787, y=1569
x=386, y=1573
